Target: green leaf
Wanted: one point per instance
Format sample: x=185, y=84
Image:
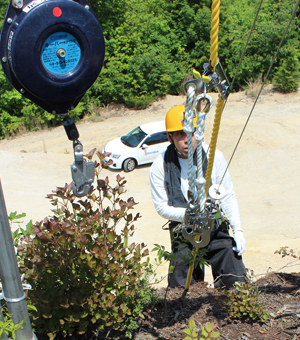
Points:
x=31, y=308
x=214, y=334
x=194, y=334
x=191, y=324
x=204, y=331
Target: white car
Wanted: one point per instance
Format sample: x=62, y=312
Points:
x=140, y=146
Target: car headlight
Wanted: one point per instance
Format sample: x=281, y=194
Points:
x=115, y=156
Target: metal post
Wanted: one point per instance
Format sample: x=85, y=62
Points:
x=10, y=276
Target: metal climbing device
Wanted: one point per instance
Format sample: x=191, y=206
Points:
x=199, y=217
x=202, y=200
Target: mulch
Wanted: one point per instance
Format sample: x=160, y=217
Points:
x=279, y=294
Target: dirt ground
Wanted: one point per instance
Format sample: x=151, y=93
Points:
x=279, y=297
x=264, y=171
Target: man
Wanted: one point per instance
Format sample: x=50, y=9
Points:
x=169, y=186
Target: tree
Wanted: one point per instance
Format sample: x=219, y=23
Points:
x=236, y=22
x=287, y=74
x=145, y=58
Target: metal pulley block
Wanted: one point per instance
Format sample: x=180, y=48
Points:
x=216, y=192
x=52, y=51
x=200, y=229
x=197, y=227
x=82, y=172
x=217, y=79
x=192, y=211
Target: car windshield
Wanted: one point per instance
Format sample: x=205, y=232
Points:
x=134, y=137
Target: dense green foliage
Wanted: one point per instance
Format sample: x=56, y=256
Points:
x=85, y=275
x=271, y=23
x=243, y=302
x=152, y=46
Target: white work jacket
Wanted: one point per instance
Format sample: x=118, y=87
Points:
x=228, y=203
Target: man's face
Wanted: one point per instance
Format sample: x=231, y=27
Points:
x=180, y=141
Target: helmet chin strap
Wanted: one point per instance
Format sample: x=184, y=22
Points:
x=177, y=151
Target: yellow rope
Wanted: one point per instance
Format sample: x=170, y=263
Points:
x=214, y=33
x=219, y=109
x=213, y=142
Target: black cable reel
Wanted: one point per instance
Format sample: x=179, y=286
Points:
x=52, y=51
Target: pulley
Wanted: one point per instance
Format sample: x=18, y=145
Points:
x=216, y=192
x=52, y=51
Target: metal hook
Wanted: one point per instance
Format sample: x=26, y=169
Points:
x=82, y=172
x=203, y=103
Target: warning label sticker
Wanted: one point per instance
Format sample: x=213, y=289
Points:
x=60, y=53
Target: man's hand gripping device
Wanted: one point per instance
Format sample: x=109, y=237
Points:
x=52, y=51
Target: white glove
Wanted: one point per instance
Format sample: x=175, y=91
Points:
x=240, y=242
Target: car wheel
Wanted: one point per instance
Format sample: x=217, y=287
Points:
x=129, y=164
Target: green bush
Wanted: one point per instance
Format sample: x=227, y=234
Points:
x=18, y=114
x=287, y=75
x=243, y=302
x=139, y=102
x=84, y=275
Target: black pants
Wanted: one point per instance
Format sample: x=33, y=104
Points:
x=227, y=266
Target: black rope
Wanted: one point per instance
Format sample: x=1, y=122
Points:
x=267, y=76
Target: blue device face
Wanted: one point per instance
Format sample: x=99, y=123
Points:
x=52, y=51
x=60, y=53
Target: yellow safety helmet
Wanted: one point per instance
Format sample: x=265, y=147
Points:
x=175, y=118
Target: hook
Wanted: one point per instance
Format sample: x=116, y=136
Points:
x=82, y=172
